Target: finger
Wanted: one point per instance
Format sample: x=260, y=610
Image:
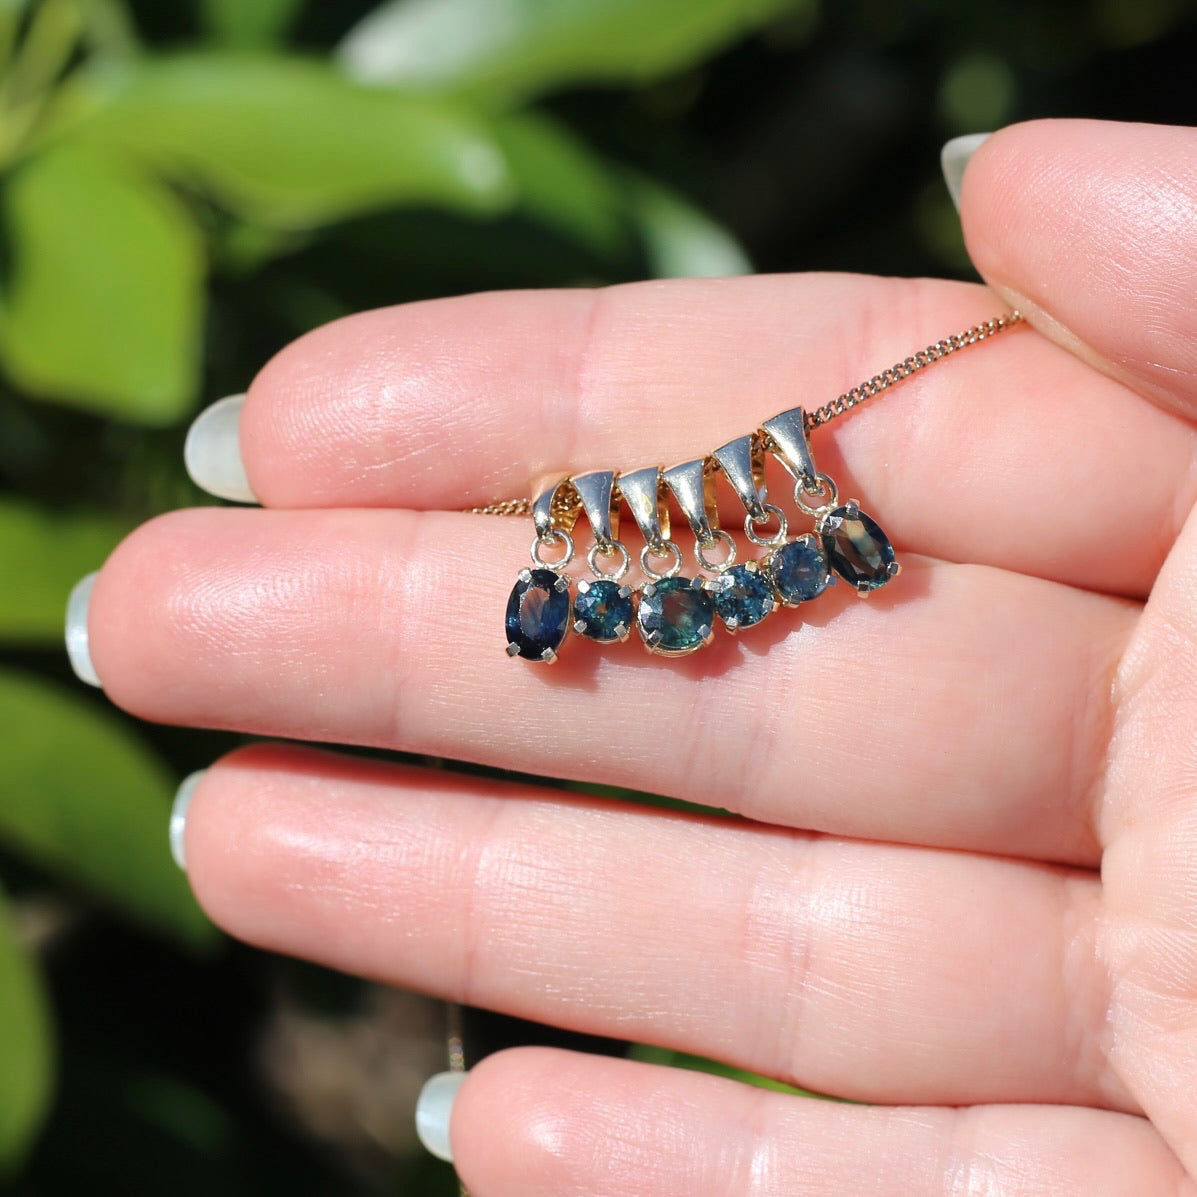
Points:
x=1148, y=822
x=464, y=401
x=870, y=971
x=1087, y=227
x=539, y=1123
x=969, y=709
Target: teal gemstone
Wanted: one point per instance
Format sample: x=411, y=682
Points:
x=743, y=595
x=603, y=610
x=675, y=616
x=798, y=570
x=859, y=551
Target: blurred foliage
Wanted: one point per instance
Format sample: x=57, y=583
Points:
x=185, y=187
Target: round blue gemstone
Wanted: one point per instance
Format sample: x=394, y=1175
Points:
x=743, y=595
x=858, y=549
x=538, y=614
x=603, y=610
x=675, y=616
x=798, y=570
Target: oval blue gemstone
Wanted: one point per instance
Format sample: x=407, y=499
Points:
x=859, y=551
x=743, y=595
x=675, y=616
x=538, y=614
x=798, y=570
x=603, y=610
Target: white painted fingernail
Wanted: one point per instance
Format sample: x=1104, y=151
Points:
x=953, y=158
x=434, y=1109
x=212, y=451
x=77, y=646
x=178, y=816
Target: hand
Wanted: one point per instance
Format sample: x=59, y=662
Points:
x=911, y=912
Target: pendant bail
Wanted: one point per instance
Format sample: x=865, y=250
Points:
x=555, y=508
x=785, y=435
x=692, y=484
x=743, y=465
x=641, y=490
x=596, y=490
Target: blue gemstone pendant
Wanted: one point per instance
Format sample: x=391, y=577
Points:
x=798, y=570
x=603, y=610
x=857, y=549
x=538, y=615
x=675, y=616
x=743, y=596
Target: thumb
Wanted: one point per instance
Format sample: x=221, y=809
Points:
x=1087, y=227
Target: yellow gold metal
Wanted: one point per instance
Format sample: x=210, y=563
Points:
x=665, y=548
x=615, y=548
x=751, y=523
x=729, y=559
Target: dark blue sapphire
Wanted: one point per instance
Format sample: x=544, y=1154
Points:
x=859, y=551
x=743, y=595
x=603, y=610
x=798, y=570
x=675, y=616
x=538, y=614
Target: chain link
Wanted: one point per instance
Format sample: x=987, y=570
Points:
x=912, y=365
x=849, y=399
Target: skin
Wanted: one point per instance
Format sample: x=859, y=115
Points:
x=964, y=886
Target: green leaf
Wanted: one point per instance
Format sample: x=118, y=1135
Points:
x=83, y=798
x=508, y=49
x=249, y=24
x=679, y=240
x=668, y=1058
x=26, y=1047
x=291, y=143
x=565, y=186
x=45, y=556
x=562, y=184
x=102, y=304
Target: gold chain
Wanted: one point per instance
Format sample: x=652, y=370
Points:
x=849, y=399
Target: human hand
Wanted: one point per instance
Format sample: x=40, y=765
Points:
x=911, y=912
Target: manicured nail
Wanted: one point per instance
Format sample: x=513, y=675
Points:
x=76, y=631
x=212, y=451
x=953, y=158
x=178, y=816
x=434, y=1110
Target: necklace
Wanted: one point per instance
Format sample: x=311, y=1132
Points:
x=676, y=614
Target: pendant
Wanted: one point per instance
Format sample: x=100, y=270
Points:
x=539, y=608
x=604, y=609
x=675, y=615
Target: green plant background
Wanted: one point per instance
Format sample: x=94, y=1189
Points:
x=187, y=185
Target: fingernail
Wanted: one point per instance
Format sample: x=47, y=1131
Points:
x=212, y=451
x=434, y=1109
x=953, y=158
x=77, y=646
x=178, y=816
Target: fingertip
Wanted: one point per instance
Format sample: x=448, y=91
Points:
x=1085, y=226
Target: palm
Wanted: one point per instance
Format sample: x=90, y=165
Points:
x=911, y=913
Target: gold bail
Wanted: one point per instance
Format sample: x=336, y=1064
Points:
x=548, y=513
x=641, y=490
x=785, y=435
x=596, y=490
x=743, y=465
x=693, y=486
